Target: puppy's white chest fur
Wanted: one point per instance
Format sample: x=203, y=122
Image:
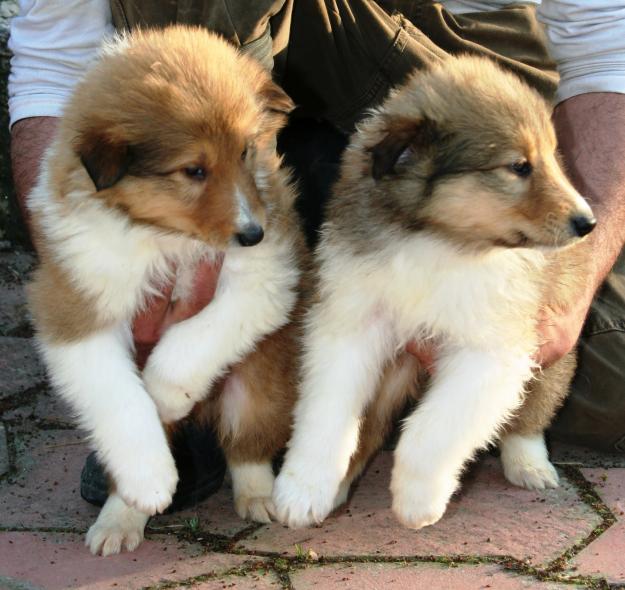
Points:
x=425, y=288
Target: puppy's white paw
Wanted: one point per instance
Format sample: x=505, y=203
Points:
x=532, y=475
x=342, y=494
x=173, y=401
x=118, y=527
x=418, y=502
x=252, y=485
x=526, y=463
x=258, y=509
x=148, y=482
x=302, y=500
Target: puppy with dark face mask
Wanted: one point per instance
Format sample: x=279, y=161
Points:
x=452, y=223
x=165, y=157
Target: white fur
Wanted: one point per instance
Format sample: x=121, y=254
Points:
x=340, y=376
x=252, y=486
x=526, y=461
x=371, y=306
x=97, y=376
x=118, y=527
x=255, y=293
x=120, y=265
x=244, y=212
x=473, y=392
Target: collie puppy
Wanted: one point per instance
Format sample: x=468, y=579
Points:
x=453, y=223
x=165, y=157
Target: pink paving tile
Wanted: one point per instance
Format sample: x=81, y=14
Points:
x=215, y=515
x=377, y=576
x=605, y=557
x=610, y=485
x=491, y=517
x=55, y=561
x=45, y=490
x=252, y=581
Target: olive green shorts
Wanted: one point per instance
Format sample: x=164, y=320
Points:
x=337, y=58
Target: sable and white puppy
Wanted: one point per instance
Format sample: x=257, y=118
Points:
x=449, y=223
x=166, y=157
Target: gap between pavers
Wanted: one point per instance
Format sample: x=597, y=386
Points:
x=489, y=518
x=56, y=561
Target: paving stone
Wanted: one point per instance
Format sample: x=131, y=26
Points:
x=568, y=454
x=379, y=576
x=45, y=408
x=4, y=451
x=16, y=265
x=604, y=557
x=490, y=517
x=251, y=581
x=214, y=515
x=44, y=492
x=14, y=316
x=19, y=366
x=61, y=561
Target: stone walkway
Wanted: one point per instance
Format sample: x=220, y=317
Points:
x=493, y=534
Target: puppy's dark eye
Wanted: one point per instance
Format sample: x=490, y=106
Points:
x=195, y=172
x=522, y=168
x=244, y=153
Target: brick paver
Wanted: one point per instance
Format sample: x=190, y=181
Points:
x=490, y=517
x=252, y=581
x=606, y=555
x=19, y=366
x=215, y=515
x=45, y=490
x=380, y=576
x=56, y=561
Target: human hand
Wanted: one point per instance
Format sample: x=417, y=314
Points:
x=425, y=353
x=559, y=329
x=150, y=324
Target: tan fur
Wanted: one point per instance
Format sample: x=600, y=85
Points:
x=435, y=157
x=143, y=148
x=179, y=98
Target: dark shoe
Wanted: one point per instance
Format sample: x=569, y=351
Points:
x=199, y=459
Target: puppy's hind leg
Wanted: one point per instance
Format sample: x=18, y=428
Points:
x=523, y=451
x=399, y=382
x=118, y=527
x=254, y=422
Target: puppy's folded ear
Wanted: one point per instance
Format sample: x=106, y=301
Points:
x=401, y=134
x=276, y=103
x=106, y=160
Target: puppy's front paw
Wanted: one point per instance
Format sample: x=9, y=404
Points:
x=173, y=401
x=418, y=503
x=118, y=527
x=300, y=500
x=148, y=482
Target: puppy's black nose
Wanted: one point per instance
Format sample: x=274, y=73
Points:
x=250, y=235
x=583, y=225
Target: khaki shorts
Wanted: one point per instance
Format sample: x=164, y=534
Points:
x=337, y=58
